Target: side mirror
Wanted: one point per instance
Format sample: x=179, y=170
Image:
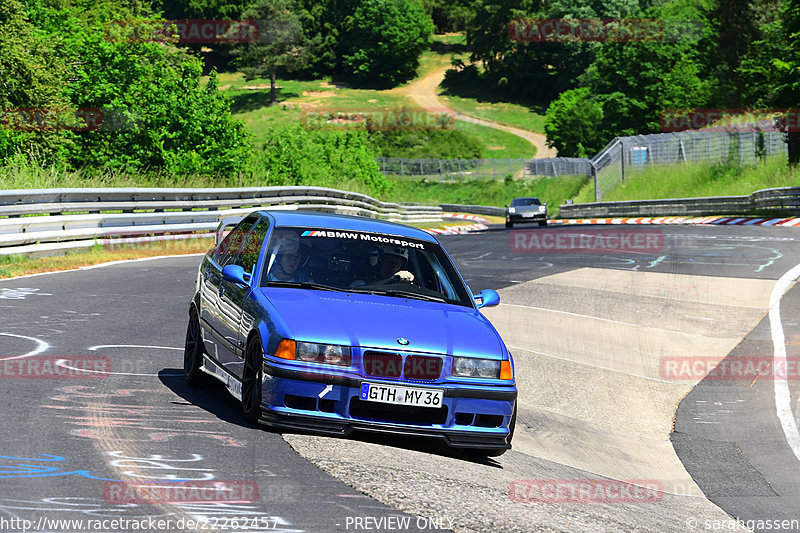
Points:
x=506, y=205
x=488, y=298
x=235, y=274
x=545, y=204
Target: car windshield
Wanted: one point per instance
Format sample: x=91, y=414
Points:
x=355, y=261
x=525, y=201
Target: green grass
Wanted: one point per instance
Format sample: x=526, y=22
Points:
x=31, y=176
x=443, y=49
x=18, y=265
x=295, y=97
x=511, y=114
x=499, y=144
x=697, y=180
x=554, y=191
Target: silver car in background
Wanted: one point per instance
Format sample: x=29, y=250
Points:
x=527, y=209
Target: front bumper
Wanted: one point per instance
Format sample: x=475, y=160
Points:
x=534, y=217
x=470, y=417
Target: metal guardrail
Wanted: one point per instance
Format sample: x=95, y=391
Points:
x=41, y=221
x=475, y=209
x=784, y=201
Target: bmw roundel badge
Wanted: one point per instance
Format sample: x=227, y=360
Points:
x=402, y=341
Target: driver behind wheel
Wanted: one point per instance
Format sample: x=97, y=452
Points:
x=390, y=267
x=393, y=263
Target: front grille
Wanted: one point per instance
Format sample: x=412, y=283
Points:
x=422, y=368
x=402, y=414
x=386, y=365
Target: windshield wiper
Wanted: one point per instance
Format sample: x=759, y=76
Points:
x=303, y=285
x=408, y=294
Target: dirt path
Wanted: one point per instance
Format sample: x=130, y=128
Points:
x=423, y=92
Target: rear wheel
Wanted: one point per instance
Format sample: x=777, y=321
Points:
x=193, y=353
x=251, y=381
x=509, y=224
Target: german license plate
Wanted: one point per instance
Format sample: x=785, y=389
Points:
x=373, y=392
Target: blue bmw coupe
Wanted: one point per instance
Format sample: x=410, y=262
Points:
x=333, y=323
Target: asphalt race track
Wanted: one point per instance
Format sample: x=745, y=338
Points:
x=73, y=438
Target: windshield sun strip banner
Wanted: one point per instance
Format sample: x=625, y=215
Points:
x=361, y=236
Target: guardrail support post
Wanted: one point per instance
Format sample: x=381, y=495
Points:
x=622, y=158
x=596, y=187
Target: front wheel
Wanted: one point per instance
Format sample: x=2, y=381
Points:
x=193, y=353
x=251, y=381
x=509, y=224
x=542, y=223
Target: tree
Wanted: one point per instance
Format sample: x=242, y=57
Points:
x=323, y=24
x=31, y=76
x=572, y=123
x=651, y=77
x=771, y=69
x=281, y=43
x=155, y=113
x=788, y=73
x=202, y=9
x=384, y=39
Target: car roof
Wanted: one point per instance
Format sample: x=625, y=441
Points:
x=345, y=222
x=526, y=198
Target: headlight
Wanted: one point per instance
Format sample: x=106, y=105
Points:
x=512, y=209
x=330, y=354
x=470, y=367
x=542, y=208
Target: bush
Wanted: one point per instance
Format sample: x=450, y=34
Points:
x=436, y=144
x=573, y=122
x=156, y=116
x=295, y=156
x=384, y=41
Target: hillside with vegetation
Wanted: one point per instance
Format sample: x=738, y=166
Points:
x=231, y=113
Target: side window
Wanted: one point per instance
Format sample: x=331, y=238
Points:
x=248, y=257
x=229, y=248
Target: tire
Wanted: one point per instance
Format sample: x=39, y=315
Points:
x=494, y=452
x=193, y=353
x=509, y=224
x=543, y=223
x=251, y=381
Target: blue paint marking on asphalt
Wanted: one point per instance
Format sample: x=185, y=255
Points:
x=23, y=469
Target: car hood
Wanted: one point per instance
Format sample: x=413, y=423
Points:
x=372, y=321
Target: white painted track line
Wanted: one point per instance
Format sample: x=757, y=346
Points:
x=782, y=395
